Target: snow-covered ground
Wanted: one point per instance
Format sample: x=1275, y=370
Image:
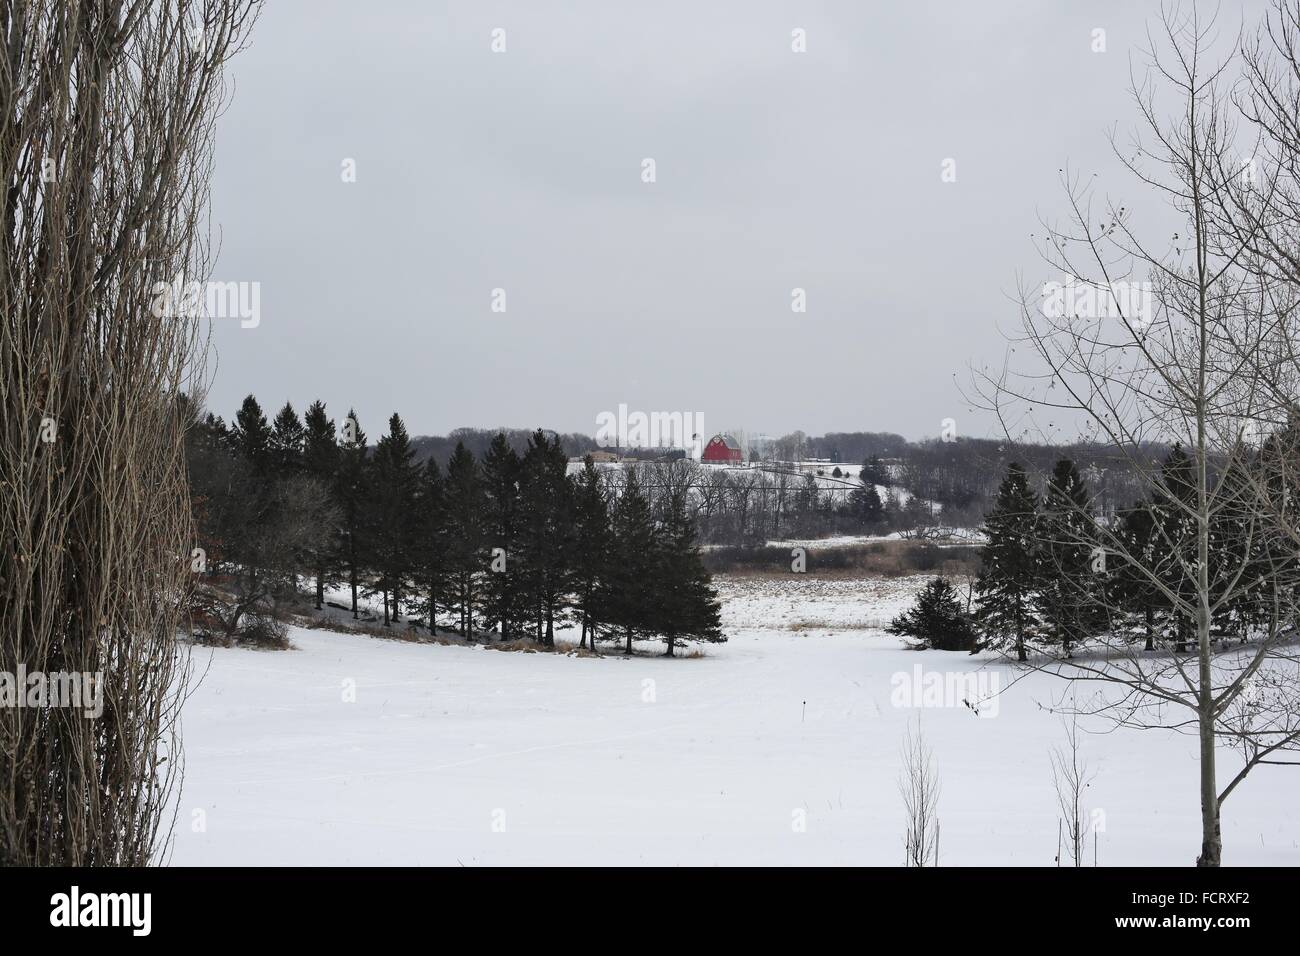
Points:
x=941, y=537
x=778, y=747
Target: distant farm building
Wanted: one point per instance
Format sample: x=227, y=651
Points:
x=722, y=450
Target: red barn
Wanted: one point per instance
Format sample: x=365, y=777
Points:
x=722, y=450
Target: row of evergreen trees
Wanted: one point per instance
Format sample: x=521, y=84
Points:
x=509, y=544
x=1054, y=572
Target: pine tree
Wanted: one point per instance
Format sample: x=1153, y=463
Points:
x=214, y=468
x=546, y=531
x=466, y=540
x=352, y=491
x=1251, y=565
x=686, y=606
x=937, y=619
x=591, y=547
x=916, y=515
x=807, y=505
x=390, y=514
x=1005, y=585
x=503, y=600
x=627, y=594
x=320, y=461
x=874, y=472
x=259, y=507
x=285, y=446
x=1175, y=508
x=1268, y=552
x=252, y=435
x=431, y=548
x=1069, y=594
x=865, y=505
x=1136, y=594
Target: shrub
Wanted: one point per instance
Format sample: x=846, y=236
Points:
x=936, y=620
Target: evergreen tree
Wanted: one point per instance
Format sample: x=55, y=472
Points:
x=916, y=515
x=1069, y=593
x=284, y=463
x=214, y=471
x=259, y=501
x=1136, y=594
x=258, y=525
x=865, y=505
x=391, y=514
x=466, y=539
x=1005, y=586
x=894, y=517
x=352, y=492
x=936, y=620
x=285, y=447
x=1175, y=508
x=686, y=606
x=591, y=554
x=320, y=461
x=252, y=435
x=1252, y=565
x=807, y=505
x=874, y=472
x=546, y=532
x=430, y=553
x=626, y=595
x=503, y=600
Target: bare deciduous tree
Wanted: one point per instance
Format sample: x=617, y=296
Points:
x=919, y=785
x=106, y=116
x=1181, y=339
x=1071, y=776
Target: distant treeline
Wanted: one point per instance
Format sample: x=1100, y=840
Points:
x=961, y=475
x=477, y=441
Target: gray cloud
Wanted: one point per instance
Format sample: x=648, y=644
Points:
x=775, y=170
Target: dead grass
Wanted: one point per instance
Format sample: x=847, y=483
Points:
x=877, y=559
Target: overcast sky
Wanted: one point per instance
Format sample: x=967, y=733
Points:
x=774, y=170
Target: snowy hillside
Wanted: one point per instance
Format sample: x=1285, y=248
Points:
x=779, y=747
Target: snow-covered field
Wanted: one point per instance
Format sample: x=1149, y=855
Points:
x=778, y=747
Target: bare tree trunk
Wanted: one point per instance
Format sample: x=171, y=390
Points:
x=352, y=576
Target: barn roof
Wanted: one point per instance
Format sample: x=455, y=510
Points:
x=726, y=440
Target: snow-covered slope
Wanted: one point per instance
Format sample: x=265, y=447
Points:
x=465, y=755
